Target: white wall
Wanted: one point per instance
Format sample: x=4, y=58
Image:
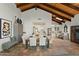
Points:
x=74, y=22
x=8, y=11
x=33, y=15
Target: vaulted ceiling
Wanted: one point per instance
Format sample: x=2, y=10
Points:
x=61, y=10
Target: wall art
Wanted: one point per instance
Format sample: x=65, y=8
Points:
x=5, y=28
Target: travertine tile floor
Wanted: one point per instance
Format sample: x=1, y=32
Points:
x=58, y=47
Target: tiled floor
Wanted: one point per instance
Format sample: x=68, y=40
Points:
x=58, y=47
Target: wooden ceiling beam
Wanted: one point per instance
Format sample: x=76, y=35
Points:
x=71, y=6
x=43, y=7
x=26, y=7
x=65, y=8
x=21, y=4
x=56, y=20
x=59, y=22
x=63, y=21
x=55, y=11
x=75, y=4
x=58, y=9
x=53, y=17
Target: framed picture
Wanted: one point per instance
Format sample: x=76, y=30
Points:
x=5, y=27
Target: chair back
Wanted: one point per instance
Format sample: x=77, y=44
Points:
x=42, y=41
x=32, y=41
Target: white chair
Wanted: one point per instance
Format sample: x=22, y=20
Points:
x=32, y=41
x=24, y=38
x=66, y=36
x=42, y=41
